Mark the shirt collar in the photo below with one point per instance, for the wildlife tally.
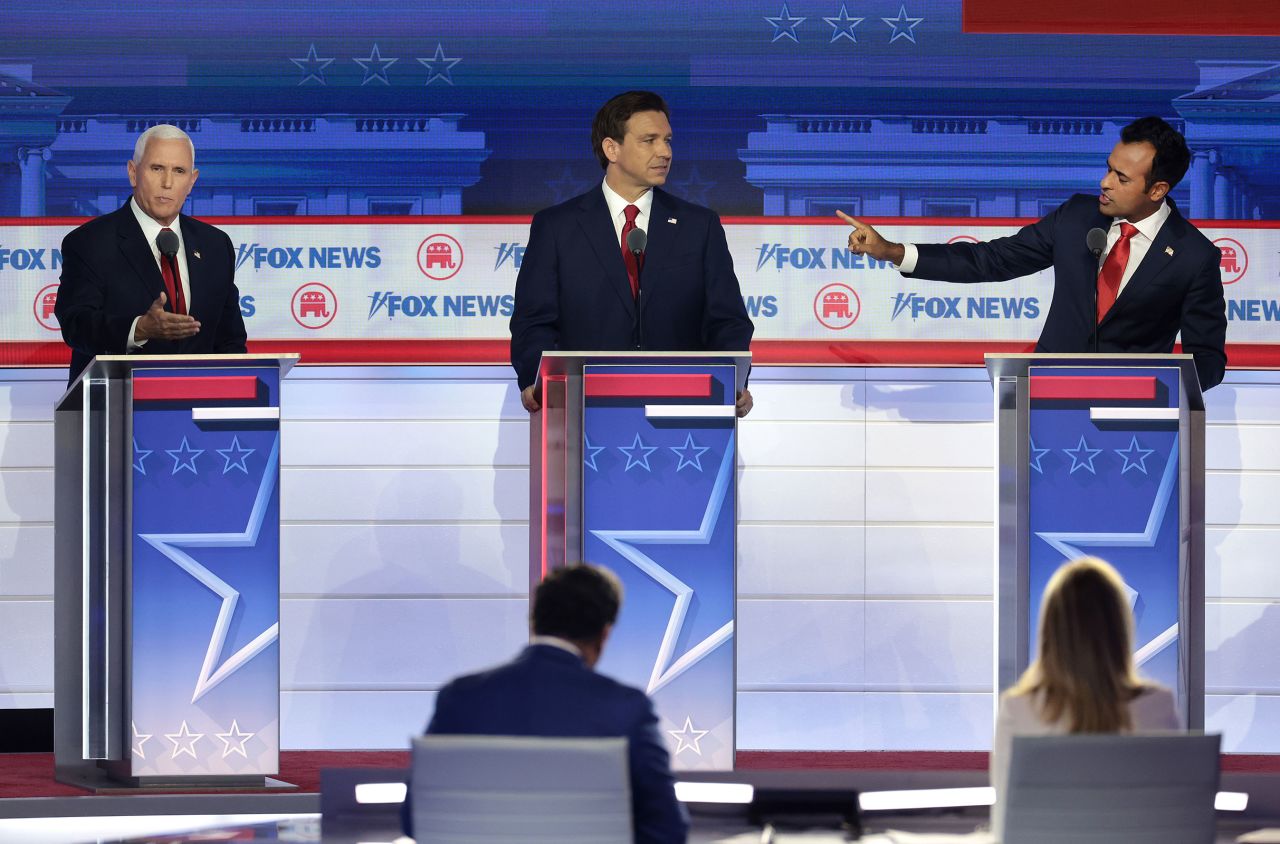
(617, 204)
(556, 641)
(151, 227)
(1149, 227)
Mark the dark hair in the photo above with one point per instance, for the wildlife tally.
(576, 603)
(1172, 156)
(611, 119)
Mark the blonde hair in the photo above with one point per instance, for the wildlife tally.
(1084, 670)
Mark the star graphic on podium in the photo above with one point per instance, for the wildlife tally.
(842, 25)
(903, 26)
(184, 457)
(784, 26)
(1036, 454)
(313, 65)
(591, 452)
(233, 741)
(139, 739)
(1130, 461)
(689, 454)
(666, 666)
(687, 738)
(170, 545)
(139, 455)
(634, 459)
(438, 66)
(375, 67)
(184, 741)
(1082, 456)
(235, 456)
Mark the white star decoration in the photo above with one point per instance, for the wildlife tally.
(139, 739)
(184, 741)
(687, 738)
(233, 741)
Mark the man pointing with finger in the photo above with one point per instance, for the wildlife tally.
(146, 279)
(1146, 275)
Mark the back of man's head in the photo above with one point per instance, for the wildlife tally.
(577, 603)
(1172, 156)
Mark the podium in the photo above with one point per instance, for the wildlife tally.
(1103, 455)
(633, 461)
(167, 564)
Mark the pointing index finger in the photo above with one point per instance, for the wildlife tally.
(848, 219)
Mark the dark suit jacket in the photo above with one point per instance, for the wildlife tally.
(572, 292)
(547, 691)
(109, 277)
(1178, 285)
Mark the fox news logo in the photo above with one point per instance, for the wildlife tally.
(779, 257)
(393, 305)
(1253, 310)
(957, 307)
(309, 258)
(30, 259)
(513, 252)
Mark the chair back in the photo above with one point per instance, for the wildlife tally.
(500, 789)
(1112, 789)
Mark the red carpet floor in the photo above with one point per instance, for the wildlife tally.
(31, 774)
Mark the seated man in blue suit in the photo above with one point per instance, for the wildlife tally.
(581, 288)
(550, 689)
(1144, 276)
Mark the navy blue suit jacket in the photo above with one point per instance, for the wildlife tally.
(1177, 287)
(547, 691)
(572, 292)
(109, 277)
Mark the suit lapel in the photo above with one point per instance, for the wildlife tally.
(195, 268)
(135, 248)
(593, 216)
(1158, 257)
(662, 236)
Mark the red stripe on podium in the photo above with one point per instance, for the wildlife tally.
(602, 386)
(196, 388)
(1094, 388)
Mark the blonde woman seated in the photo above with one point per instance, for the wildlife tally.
(1083, 679)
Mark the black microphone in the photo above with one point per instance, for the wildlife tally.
(637, 240)
(1096, 240)
(167, 243)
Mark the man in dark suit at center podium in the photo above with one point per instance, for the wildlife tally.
(551, 689)
(581, 288)
(1129, 271)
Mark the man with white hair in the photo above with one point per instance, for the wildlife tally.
(147, 279)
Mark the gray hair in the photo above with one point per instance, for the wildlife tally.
(161, 132)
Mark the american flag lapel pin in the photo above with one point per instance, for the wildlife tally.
(197, 254)
(1168, 250)
(671, 220)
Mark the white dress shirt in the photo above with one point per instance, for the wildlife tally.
(618, 210)
(1148, 228)
(1152, 710)
(151, 230)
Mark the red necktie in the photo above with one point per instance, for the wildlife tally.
(634, 262)
(173, 282)
(1113, 270)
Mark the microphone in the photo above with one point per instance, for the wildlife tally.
(167, 243)
(1096, 240)
(637, 240)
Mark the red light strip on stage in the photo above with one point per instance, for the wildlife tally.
(197, 388)
(1094, 388)
(602, 386)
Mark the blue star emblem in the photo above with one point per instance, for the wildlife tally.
(235, 456)
(564, 186)
(638, 454)
(667, 666)
(184, 457)
(1082, 456)
(439, 66)
(171, 544)
(1131, 461)
(590, 453)
(842, 25)
(695, 188)
(375, 67)
(689, 454)
(784, 26)
(903, 26)
(313, 65)
(1036, 454)
(139, 455)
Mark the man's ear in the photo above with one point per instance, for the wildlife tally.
(611, 149)
(1158, 191)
